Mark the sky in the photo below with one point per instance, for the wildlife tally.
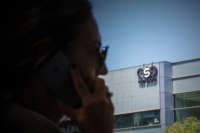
(144, 31)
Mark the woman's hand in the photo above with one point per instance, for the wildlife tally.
(96, 114)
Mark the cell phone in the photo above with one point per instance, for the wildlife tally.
(56, 73)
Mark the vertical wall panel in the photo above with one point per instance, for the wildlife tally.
(166, 95)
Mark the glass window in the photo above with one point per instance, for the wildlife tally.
(187, 99)
(123, 121)
(148, 118)
(187, 104)
(68, 127)
(181, 114)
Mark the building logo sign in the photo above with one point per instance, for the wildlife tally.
(147, 74)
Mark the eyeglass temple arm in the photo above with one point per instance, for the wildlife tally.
(104, 52)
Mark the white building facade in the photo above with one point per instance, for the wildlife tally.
(149, 97)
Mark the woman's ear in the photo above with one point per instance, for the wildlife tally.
(38, 49)
(42, 47)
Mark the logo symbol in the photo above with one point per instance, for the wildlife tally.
(147, 74)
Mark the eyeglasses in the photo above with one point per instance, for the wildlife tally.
(102, 53)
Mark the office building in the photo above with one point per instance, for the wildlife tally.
(150, 96)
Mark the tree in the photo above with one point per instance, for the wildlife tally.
(189, 125)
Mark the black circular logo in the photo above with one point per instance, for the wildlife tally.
(147, 74)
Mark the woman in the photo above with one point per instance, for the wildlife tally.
(40, 33)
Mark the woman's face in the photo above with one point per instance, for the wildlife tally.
(84, 51)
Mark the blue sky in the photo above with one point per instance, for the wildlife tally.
(145, 31)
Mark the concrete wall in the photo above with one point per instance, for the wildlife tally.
(129, 96)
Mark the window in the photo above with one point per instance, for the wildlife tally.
(187, 99)
(187, 104)
(181, 114)
(148, 118)
(68, 127)
(123, 121)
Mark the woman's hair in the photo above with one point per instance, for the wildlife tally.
(34, 20)
(30, 21)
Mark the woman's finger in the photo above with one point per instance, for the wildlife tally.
(100, 87)
(79, 85)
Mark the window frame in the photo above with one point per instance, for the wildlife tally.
(139, 127)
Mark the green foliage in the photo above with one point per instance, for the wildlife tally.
(189, 125)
